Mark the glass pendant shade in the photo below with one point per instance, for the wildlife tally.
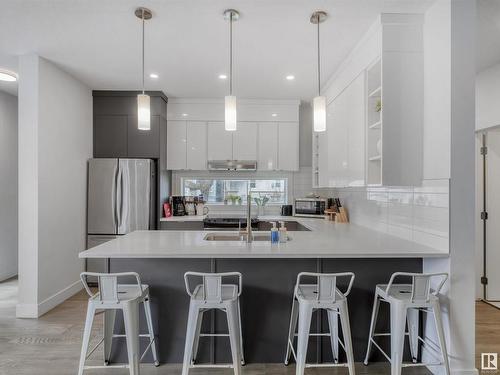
(319, 110)
(143, 112)
(230, 113)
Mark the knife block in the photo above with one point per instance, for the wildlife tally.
(341, 216)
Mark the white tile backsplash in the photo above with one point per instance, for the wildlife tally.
(419, 214)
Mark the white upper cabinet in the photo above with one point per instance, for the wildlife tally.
(268, 146)
(196, 145)
(288, 146)
(320, 168)
(220, 142)
(375, 113)
(176, 145)
(345, 134)
(267, 132)
(245, 141)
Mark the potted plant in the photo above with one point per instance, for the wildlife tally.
(261, 203)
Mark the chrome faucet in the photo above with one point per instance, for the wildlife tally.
(249, 216)
(248, 231)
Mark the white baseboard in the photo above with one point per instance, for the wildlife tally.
(26, 310)
(35, 311)
(8, 276)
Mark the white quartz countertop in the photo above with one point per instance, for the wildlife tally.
(325, 240)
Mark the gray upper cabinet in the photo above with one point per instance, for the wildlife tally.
(110, 136)
(143, 143)
(115, 126)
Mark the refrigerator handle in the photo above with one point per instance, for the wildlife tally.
(119, 197)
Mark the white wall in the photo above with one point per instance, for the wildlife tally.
(8, 186)
(55, 142)
(488, 97)
(458, 302)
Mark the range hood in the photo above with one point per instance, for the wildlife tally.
(232, 165)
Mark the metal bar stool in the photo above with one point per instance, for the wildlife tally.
(111, 297)
(213, 294)
(406, 302)
(309, 298)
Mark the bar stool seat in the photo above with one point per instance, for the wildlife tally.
(406, 301)
(322, 295)
(110, 297)
(228, 293)
(309, 293)
(127, 292)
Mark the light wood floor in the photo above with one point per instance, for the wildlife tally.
(51, 344)
(487, 330)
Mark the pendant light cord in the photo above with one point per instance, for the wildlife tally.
(319, 59)
(143, 51)
(231, 54)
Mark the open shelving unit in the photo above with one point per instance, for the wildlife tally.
(374, 123)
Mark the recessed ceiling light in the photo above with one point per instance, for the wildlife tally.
(153, 75)
(222, 76)
(7, 75)
(290, 77)
(184, 115)
(274, 115)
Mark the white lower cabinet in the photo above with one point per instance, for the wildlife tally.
(176, 145)
(267, 146)
(245, 141)
(196, 149)
(288, 146)
(220, 142)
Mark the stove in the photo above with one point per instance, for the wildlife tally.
(228, 223)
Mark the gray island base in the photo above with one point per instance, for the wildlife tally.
(265, 302)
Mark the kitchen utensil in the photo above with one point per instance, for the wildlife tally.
(201, 209)
(287, 210)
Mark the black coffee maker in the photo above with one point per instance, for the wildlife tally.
(178, 206)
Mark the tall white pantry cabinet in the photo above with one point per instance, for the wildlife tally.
(375, 110)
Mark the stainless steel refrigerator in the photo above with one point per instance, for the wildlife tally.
(120, 200)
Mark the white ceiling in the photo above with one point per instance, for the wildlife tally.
(98, 41)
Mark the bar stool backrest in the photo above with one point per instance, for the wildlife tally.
(421, 284)
(327, 284)
(108, 284)
(211, 284)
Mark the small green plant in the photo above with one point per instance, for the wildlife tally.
(378, 105)
(261, 201)
(233, 198)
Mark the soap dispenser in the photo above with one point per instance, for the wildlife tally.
(283, 235)
(274, 233)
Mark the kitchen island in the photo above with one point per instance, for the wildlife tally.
(269, 274)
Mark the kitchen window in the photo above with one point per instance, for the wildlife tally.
(234, 191)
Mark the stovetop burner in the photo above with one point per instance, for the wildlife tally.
(228, 222)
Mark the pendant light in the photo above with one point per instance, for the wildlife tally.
(319, 102)
(230, 101)
(143, 100)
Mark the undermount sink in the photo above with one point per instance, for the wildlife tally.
(237, 237)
